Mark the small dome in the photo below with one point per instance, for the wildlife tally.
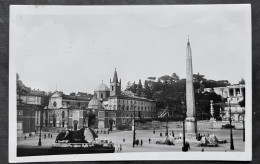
(95, 103)
(102, 87)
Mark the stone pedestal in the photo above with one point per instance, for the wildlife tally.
(193, 143)
(191, 125)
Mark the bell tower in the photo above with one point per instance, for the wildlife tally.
(115, 85)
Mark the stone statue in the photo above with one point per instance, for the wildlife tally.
(84, 135)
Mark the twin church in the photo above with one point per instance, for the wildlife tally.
(114, 109)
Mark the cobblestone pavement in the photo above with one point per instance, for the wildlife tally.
(117, 138)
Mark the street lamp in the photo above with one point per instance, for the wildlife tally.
(167, 109)
(133, 126)
(244, 124)
(41, 119)
(184, 148)
(231, 134)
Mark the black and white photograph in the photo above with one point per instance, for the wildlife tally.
(130, 82)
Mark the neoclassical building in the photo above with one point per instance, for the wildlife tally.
(114, 109)
(233, 94)
(118, 107)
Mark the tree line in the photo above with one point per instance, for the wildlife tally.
(170, 92)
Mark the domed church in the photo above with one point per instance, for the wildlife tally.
(117, 108)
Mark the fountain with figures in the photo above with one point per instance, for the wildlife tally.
(84, 140)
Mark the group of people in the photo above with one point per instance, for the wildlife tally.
(199, 136)
(102, 131)
(137, 142)
(49, 135)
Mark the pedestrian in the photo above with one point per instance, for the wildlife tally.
(137, 142)
(107, 132)
(51, 135)
(120, 147)
(149, 140)
(44, 136)
(141, 142)
(202, 149)
(101, 131)
(187, 144)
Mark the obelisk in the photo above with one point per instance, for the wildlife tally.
(191, 122)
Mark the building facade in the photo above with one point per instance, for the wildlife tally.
(65, 112)
(120, 107)
(233, 95)
(29, 106)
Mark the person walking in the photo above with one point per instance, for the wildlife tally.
(149, 140)
(120, 147)
(141, 142)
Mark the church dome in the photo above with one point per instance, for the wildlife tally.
(95, 103)
(102, 87)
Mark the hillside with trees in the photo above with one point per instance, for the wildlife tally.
(169, 91)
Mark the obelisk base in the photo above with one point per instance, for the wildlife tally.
(193, 143)
(191, 125)
(190, 134)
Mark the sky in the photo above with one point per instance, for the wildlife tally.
(74, 48)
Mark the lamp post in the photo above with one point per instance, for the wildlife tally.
(244, 125)
(167, 109)
(41, 119)
(133, 126)
(230, 122)
(184, 149)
